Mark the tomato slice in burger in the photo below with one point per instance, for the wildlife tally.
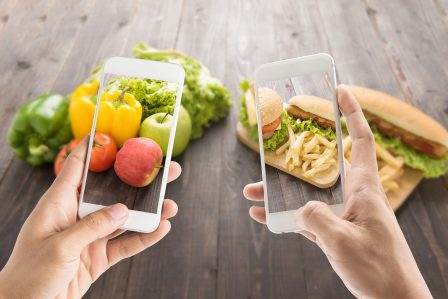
(271, 126)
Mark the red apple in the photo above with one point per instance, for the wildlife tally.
(138, 161)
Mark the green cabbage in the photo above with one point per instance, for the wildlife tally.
(204, 97)
(431, 167)
(154, 95)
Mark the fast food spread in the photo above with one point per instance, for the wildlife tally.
(299, 137)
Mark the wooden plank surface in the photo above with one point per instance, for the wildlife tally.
(214, 249)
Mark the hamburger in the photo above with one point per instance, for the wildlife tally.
(405, 131)
(274, 119)
(271, 111)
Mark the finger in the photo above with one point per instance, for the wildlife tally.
(169, 209)
(94, 226)
(71, 173)
(363, 143)
(347, 166)
(174, 171)
(132, 244)
(254, 191)
(258, 214)
(317, 218)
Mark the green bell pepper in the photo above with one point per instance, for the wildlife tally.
(39, 128)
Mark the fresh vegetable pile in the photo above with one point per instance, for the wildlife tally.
(204, 97)
(129, 107)
(134, 148)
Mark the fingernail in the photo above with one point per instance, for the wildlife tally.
(117, 211)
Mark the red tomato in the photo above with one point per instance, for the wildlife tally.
(104, 151)
(271, 126)
(63, 154)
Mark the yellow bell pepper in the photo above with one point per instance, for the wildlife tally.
(119, 115)
(82, 108)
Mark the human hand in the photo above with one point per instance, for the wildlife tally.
(56, 255)
(366, 246)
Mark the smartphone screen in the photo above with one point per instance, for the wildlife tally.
(298, 117)
(139, 174)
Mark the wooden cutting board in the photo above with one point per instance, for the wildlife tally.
(408, 181)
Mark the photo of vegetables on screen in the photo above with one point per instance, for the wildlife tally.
(132, 132)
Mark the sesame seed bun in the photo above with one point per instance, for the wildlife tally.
(271, 105)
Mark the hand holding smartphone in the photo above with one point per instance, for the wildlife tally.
(299, 136)
(139, 176)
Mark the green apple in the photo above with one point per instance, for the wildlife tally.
(158, 126)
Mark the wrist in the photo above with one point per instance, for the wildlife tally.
(6, 287)
(414, 287)
(3, 284)
(418, 292)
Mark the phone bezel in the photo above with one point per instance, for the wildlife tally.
(139, 221)
(283, 222)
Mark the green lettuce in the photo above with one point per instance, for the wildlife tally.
(312, 126)
(204, 97)
(281, 135)
(244, 120)
(154, 95)
(431, 167)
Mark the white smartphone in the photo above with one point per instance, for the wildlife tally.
(102, 189)
(300, 137)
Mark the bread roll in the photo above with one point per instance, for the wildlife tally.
(271, 105)
(315, 105)
(400, 114)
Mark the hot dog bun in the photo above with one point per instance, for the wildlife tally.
(315, 105)
(400, 114)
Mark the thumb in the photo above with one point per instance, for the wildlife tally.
(71, 173)
(95, 226)
(317, 218)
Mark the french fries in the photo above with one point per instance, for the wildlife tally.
(390, 168)
(388, 158)
(310, 152)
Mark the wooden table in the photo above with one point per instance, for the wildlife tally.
(214, 249)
